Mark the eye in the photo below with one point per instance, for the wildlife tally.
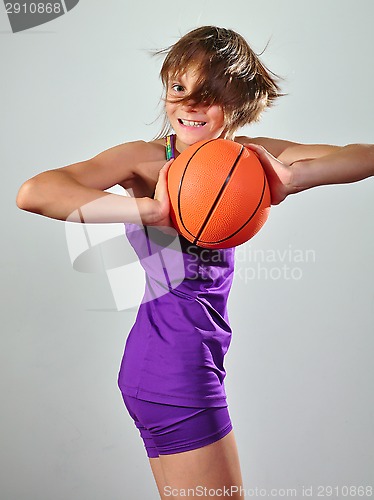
(177, 87)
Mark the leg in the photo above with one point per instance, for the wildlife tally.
(158, 474)
(189, 448)
(214, 466)
(152, 453)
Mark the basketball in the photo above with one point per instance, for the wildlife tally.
(219, 194)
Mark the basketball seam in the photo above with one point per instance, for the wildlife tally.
(218, 197)
(180, 186)
(246, 222)
(196, 238)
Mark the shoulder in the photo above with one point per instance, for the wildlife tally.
(287, 151)
(147, 160)
(157, 148)
(275, 146)
(145, 156)
(146, 151)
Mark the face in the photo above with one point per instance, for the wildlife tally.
(192, 122)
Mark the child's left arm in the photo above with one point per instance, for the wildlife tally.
(350, 163)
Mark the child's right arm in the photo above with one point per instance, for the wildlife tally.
(76, 192)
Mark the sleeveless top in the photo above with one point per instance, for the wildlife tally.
(174, 353)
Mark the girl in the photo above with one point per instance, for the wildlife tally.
(172, 373)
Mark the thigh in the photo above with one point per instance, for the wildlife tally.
(167, 429)
(214, 468)
(158, 475)
(196, 447)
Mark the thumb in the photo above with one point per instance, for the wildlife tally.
(167, 165)
(161, 186)
(260, 151)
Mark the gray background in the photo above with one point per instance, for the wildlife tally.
(300, 370)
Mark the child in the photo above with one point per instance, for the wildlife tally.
(172, 372)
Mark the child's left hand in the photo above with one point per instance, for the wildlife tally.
(278, 174)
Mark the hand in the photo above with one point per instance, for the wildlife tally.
(161, 196)
(278, 174)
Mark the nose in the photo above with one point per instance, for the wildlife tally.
(190, 106)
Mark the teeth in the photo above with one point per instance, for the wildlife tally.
(192, 124)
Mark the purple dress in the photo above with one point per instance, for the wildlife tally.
(174, 353)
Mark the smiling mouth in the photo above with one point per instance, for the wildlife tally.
(188, 123)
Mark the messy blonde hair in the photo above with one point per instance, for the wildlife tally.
(229, 73)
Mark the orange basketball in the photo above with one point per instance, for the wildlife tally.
(219, 194)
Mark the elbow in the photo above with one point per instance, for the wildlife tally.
(26, 199)
(23, 196)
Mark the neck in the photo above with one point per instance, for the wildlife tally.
(181, 146)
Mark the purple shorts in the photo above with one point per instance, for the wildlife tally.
(167, 429)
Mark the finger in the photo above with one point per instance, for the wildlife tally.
(164, 169)
(259, 150)
(255, 147)
(161, 191)
(168, 163)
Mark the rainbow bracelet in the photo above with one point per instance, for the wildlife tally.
(170, 147)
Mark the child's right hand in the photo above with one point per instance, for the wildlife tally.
(162, 210)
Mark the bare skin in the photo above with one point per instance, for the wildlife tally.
(141, 169)
(214, 467)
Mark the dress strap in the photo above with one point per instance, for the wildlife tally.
(170, 146)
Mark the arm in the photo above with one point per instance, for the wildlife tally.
(299, 167)
(76, 192)
(287, 151)
(351, 163)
